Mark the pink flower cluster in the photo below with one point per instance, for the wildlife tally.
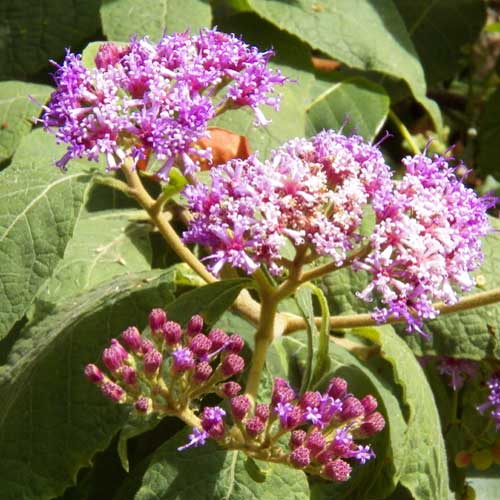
(426, 241)
(322, 426)
(160, 373)
(311, 192)
(144, 97)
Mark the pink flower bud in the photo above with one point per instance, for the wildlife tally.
(337, 388)
(372, 424)
(200, 345)
(152, 362)
(369, 404)
(232, 365)
(157, 318)
(113, 391)
(212, 421)
(239, 407)
(93, 374)
(282, 392)
(218, 339)
(315, 442)
(129, 375)
(310, 399)
(300, 457)
(144, 405)
(337, 470)
(203, 371)
(108, 55)
(262, 411)
(195, 325)
(298, 438)
(254, 426)
(352, 408)
(146, 346)
(114, 356)
(132, 338)
(183, 360)
(172, 332)
(235, 344)
(230, 389)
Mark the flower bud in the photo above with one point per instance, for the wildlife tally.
(195, 325)
(300, 457)
(369, 404)
(157, 318)
(93, 374)
(152, 362)
(337, 470)
(239, 407)
(146, 346)
(132, 338)
(108, 55)
(218, 339)
(212, 421)
(352, 408)
(337, 387)
(371, 425)
(144, 405)
(298, 438)
(183, 360)
(200, 345)
(262, 411)
(254, 426)
(282, 392)
(310, 399)
(129, 375)
(230, 389)
(114, 356)
(235, 344)
(172, 332)
(203, 371)
(113, 391)
(315, 442)
(232, 365)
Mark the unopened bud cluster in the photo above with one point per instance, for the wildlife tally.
(322, 428)
(164, 372)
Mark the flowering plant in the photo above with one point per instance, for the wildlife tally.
(236, 304)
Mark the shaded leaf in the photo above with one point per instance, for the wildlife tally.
(123, 18)
(52, 420)
(489, 145)
(39, 207)
(17, 112)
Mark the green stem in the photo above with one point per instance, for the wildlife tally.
(404, 132)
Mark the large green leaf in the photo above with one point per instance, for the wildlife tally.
(123, 18)
(470, 334)
(425, 472)
(32, 32)
(363, 103)
(105, 244)
(364, 34)
(52, 420)
(293, 59)
(489, 145)
(440, 30)
(17, 112)
(39, 207)
(212, 473)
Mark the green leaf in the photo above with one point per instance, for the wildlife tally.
(210, 300)
(52, 420)
(293, 59)
(17, 112)
(39, 207)
(475, 333)
(123, 18)
(363, 103)
(210, 472)
(366, 35)
(105, 244)
(440, 30)
(425, 472)
(31, 32)
(489, 145)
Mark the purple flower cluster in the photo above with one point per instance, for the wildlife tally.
(145, 97)
(322, 426)
(425, 242)
(493, 402)
(310, 192)
(458, 370)
(173, 366)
